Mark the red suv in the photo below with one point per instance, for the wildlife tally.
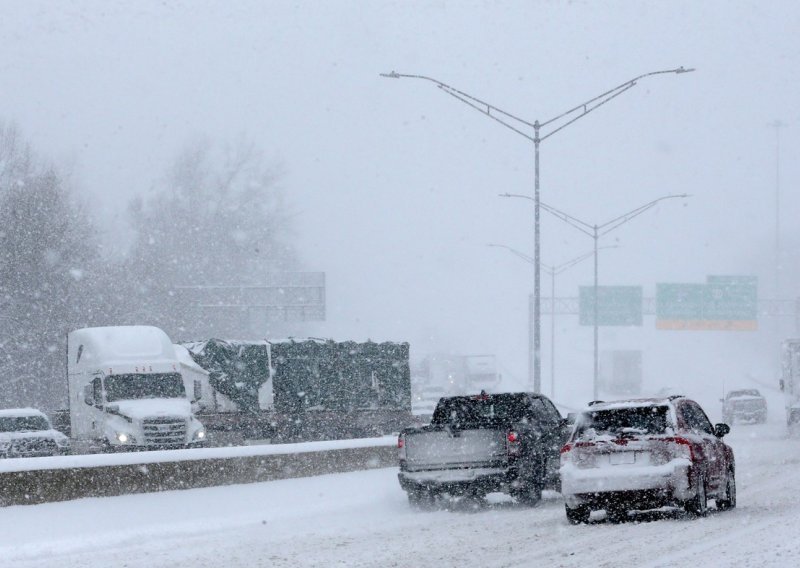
(644, 454)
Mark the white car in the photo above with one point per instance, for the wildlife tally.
(27, 432)
(644, 454)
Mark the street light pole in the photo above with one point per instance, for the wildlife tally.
(554, 270)
(519, 126)
(595, 232)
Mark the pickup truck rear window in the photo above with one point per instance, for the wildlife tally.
(481, 411)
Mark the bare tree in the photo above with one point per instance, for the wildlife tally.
(217, 219)
(47, 259)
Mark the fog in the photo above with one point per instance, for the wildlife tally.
(393, 185)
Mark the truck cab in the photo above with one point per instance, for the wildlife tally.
(126, 391)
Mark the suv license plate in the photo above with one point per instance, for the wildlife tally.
(621, 458)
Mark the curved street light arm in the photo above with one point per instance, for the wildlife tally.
(570, 263)
(622, 219)
(515, 252)
(569, 219)
(602, 99)
(481, 106)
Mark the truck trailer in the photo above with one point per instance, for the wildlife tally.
(305, 389)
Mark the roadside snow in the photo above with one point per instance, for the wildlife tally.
(362, 519)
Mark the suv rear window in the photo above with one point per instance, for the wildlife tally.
(480, 411)
(616, 421)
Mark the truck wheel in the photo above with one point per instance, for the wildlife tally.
(698, 505)
(578, 515)
(617, 514)
(422, 499)
(530, 493)
(729, 501)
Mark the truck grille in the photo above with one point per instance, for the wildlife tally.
(164, 431)
(30, 447)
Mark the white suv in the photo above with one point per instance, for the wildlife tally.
(644, 454)
(27, 432)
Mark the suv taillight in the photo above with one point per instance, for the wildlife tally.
(581, 454)
(401, 446)
(513, 444)
(674, 447)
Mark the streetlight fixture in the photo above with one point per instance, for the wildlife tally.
(596, 231)
(520, 126)
(553, 270)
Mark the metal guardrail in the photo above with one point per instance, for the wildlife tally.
(33, 486)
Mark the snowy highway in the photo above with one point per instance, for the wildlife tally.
(363, 519)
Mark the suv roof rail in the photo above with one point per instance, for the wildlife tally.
(592, 403)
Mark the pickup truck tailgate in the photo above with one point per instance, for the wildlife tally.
(446, 449)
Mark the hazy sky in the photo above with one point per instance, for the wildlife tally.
(394, 184)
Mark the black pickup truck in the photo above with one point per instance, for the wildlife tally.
(482, 444)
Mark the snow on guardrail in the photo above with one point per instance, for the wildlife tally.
(40, 480)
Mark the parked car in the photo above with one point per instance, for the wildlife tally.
(746, 405)
(27, 432)
(482, 444)
(644, 454)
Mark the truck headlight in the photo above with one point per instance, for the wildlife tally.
(125, 438)
(200, 435)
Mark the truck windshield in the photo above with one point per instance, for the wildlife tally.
(23, 424)
(480, 411)
(155, 385)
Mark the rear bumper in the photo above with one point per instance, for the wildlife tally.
(459, 481)
(653, 486)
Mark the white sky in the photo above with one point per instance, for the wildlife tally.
(395, 184)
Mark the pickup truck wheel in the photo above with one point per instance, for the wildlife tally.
(530, 493)
(579, 515)
(422, 499)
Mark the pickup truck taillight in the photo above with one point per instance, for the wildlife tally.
(401, 446)
(513, 444)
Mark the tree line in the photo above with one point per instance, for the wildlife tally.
(216, 217)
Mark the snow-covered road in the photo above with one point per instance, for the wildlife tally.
(363, 519)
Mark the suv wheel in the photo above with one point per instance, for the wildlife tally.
(579, 515)
(729, 501)
(698, 505)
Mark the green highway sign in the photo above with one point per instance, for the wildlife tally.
(722, 303)
(616, 305)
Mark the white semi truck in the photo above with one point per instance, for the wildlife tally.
(126, 391)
